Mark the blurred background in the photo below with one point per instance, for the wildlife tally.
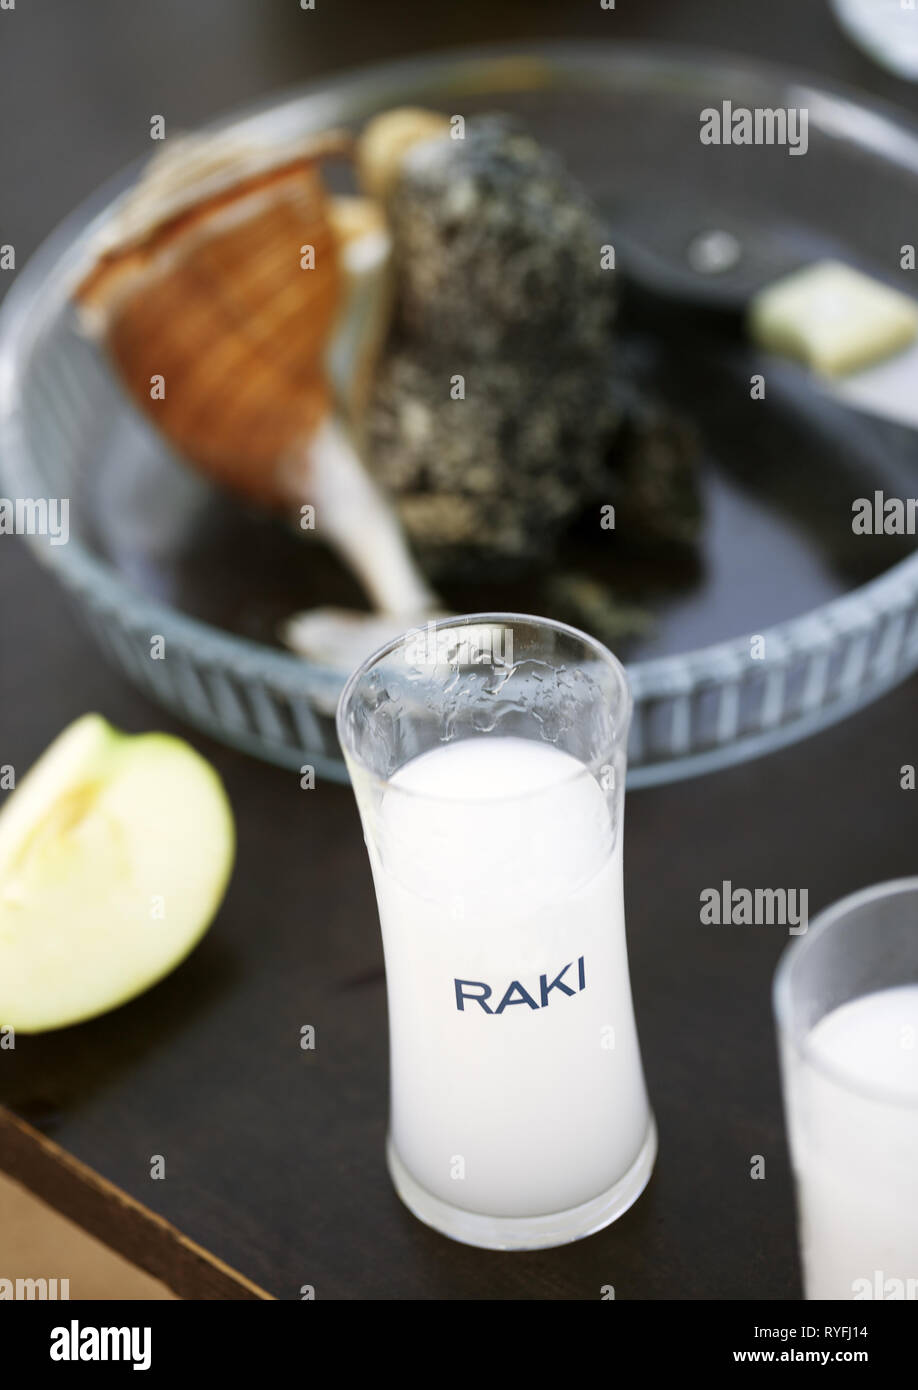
(79, 82)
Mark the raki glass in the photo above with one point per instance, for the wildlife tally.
(488, 754)
(846, 1003)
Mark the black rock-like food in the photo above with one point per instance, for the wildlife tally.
(493, 476)
(651, 472)
(504, 406)
(499, 283)
(496, 246)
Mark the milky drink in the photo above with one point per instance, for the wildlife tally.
(517, 1087)
(854, 1130)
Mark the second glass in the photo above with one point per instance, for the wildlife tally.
(846, 1003)
(488, 756)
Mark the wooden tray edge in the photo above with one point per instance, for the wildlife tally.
(115, 1218)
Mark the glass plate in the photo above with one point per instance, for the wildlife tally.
(156, 551)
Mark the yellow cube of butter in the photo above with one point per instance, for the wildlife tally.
(833, 317)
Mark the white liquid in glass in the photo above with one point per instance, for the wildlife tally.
(856, 1151)
(516, 1080)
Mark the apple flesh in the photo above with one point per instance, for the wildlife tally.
(115, 853)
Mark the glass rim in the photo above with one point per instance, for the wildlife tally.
(609, 660)
(781, 992)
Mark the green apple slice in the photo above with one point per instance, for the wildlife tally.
(115, 853)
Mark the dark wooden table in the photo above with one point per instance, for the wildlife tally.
(274, 1156)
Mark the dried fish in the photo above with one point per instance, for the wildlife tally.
(243, 309)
